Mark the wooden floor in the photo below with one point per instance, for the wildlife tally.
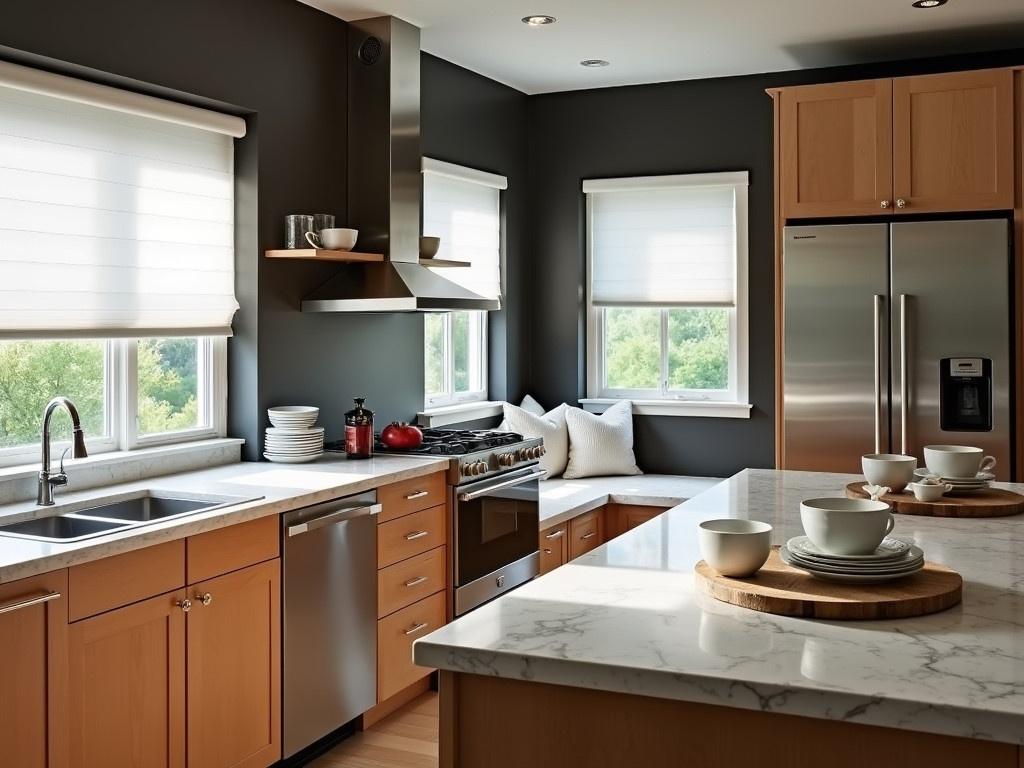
(406, 739)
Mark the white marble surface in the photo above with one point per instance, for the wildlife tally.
(626, 618)
(562, 500)
(282, 487)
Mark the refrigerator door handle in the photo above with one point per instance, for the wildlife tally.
(904, 369)
(878, 372)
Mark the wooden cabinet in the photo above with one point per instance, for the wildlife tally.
(410, 535)
(406, 582)
(33, 644)
(586, 532)
(234, 669)
(553, 547)
(395, 636)
(402, 498)
(127, 686)
(953, 142)
(620, 518)
(836, 149)
(935, 143)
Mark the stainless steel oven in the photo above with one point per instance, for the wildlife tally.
(495, 531)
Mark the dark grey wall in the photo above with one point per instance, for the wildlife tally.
(684, 127)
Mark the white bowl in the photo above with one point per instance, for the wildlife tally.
(735, 547)
(293, 416)
(893, 470)
(846, 526)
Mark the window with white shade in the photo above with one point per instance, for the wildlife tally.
(461, 206)
(667, 287)
(116, 262)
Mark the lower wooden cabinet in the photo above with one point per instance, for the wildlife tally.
(33, 644)
(586, 532)
(553, 547)
(564, 542)
(395, 636)
(620, 518)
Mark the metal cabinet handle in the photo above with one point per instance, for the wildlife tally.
(538, 475)
(590, 535)
(416, 535)
(901, 203)
(27, 602)
(904, 384)
(416, 628)
(414, 582)
(878, 373)
(206, 598)
(885, 204)
(555, 535)
(547, 551)
(417, 495)
(185, 605)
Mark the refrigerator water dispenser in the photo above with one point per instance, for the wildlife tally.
(965, 390)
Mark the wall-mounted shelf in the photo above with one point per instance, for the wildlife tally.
(317, 254)
(445, 263)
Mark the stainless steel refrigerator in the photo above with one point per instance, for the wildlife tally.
(896, 336)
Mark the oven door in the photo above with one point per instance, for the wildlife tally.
(497, 523)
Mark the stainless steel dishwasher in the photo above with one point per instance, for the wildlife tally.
(330, 617)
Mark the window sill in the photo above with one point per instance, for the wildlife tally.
(702, 408)
(459, 413)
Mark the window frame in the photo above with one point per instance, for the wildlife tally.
(738, 389)
(120, 384)
(449, 396)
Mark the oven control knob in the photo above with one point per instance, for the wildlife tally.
(522, 454)
(481, 467)
(467, 469)
(542, 449)
(536, 452)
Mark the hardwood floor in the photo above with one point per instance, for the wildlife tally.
(405, 739)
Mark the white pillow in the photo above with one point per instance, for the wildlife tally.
(601, 445)
(530, 406)
(550, 426)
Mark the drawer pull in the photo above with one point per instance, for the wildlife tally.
(417, 628)
(414, 582)
(27, 602)
(547, 551)
(555, 535)
(590, 535)
(417, 495)
(205, 598)
(416, 535)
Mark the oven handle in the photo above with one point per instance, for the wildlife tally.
(538, 475)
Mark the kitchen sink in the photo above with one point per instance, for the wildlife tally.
(116, 514)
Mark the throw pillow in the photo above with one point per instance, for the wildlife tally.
(530, 406)
(601, 445)
(550, 426)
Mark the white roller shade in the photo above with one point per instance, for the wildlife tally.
(462, 206)
(112, 223)
(666, 241)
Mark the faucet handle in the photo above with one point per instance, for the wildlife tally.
(61, 472)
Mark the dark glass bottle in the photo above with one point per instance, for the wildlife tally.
(359, 431)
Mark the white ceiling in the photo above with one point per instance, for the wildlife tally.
(650, 41)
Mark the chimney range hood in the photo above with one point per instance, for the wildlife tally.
(384, 182)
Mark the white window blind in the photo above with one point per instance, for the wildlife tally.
(462, 206)
(115, 220)
(670, 241)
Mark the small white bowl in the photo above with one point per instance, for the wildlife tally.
(429, 246)
(735, 547)
(846, 526)
(893, 470)
(293, 416)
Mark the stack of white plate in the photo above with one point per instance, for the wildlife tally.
(894, 559)
(979, 482)
(293, 439)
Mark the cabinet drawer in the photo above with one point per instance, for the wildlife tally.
(408, 496)
(585, 533)
(111, 582)
(395, 636)
(406, 582)
(410, 535)
(552, 547)
(237, 546)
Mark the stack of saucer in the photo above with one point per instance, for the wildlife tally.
(893, 559)
(293, 439)
(979, 482)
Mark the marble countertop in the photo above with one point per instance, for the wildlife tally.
(626, 618)
(562, 500)
(275, 488)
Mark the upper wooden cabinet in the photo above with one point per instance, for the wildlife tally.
(836, 149)
(953, 141)
(936, 143)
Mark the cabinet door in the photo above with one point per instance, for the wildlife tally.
(127, 686)
(234, 669)
(836, 149)
(953, 141)
(395, 636)
(552, 547)
(586, 532)
(33, 637)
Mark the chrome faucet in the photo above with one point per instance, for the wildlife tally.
(47, 482)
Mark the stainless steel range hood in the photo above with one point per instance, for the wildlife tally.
(384, 182)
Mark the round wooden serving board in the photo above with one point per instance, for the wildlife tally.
(777, 588)
(991, 502)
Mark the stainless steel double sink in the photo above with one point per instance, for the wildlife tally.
(115, 514)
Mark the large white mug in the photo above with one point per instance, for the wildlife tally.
(846, 526)
(958, 461)
(893, 470)
(334, 239)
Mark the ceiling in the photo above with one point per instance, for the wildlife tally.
(650, 41)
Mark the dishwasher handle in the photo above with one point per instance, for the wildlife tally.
(338, 516)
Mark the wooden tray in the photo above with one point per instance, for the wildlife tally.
(992, 502)
(777, 588)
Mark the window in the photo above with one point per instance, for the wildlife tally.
(116, 263)
(667, 288)
(462, 206)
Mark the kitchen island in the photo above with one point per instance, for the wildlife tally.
(615, 659)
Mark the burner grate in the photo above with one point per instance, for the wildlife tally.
(446, 442)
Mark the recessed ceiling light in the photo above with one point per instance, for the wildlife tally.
(928, 3)
(594, 63)
(539, 20)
